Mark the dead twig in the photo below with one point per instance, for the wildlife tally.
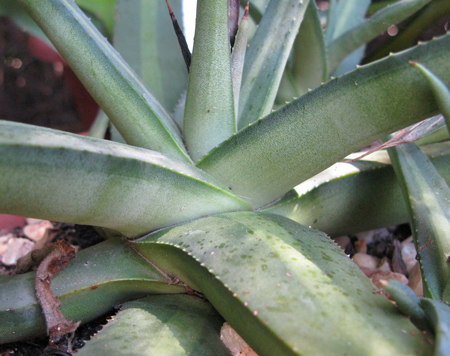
(57, 326)
(181, 39)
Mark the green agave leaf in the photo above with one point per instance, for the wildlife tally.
(144, 36)
(257, 8)
(286, 289)
(238, 57)
(407, 302)
(441, 92)
(266, 58)
(329, 201)
(369, 29)
(100, 125)
(428, 201)
(97, 279)
(209, 115)
(408, 36)
(63, 177)
(138, 116)
(322, 127)
(344, 15)
(309, 57)
(438, 315)
(160, 325)
(105, 10)
(331, 19)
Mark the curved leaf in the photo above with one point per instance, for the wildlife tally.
(209, 117)
(266, 58)
(144, 36)
(70, 178)
(97, 279)
(407, 302)
(238, 57)
(160, 325)
(309, 66)
(286, 289)
(408, 36)
(441, 92)
(329, 201)
(138, 116)
(345, 15)
(438, 315)
(369, 29)
(428, 200)
(323, 126)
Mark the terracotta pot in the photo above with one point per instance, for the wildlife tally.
(9, 222)
(87, 107)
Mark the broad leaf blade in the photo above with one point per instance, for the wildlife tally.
(330, 203)
(144, 36)
(70, 178)
(160, 325)
(441, 92)
(428, 201)
(209, 117)
(369, 29)
(238, 57)
(438, 315)
(138, 116)
(266, 58)
(91, 285)
(408, 37)
(309, 66)
(286, 289)
(346, 14)
(322, 127)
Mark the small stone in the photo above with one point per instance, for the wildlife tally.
(37, 230)
(4, 242)
(409, 254)
(16, 248)
(361, 246)
(384, 266)
(366, 262)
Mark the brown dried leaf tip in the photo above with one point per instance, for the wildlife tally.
(57, 259)
(181, 39)
(234, 8)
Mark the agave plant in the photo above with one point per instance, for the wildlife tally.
(199, 203)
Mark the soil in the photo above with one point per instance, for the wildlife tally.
(76, 235)
(32, 90)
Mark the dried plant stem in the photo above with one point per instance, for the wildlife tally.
(56, 260)
(181, 39)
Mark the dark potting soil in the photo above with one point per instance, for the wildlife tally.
(33, 91)
(75, 235)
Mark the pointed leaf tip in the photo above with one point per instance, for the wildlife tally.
(180, 36)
